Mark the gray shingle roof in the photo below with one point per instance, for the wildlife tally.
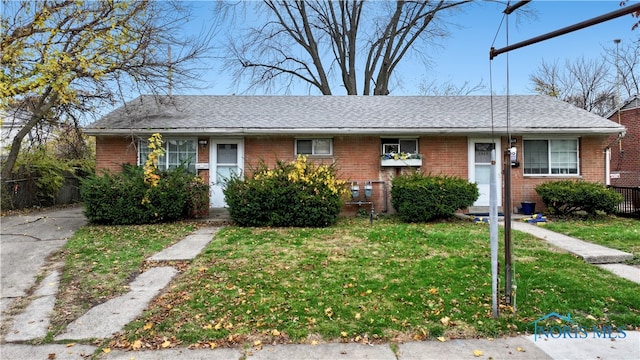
(205, 114)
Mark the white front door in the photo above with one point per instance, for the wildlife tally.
(227, 160)
(480, 168)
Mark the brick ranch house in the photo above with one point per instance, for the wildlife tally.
(625, 154)
(452, 135)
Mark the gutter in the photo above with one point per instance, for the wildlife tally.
(355, 131)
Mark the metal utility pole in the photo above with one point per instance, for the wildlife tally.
(493, 230)
(493, 52)
(565, 30)
(507, 222)
(619, 102)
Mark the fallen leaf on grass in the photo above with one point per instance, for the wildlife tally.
(445, 321)
(166, 344)
(441, 339)
(136, 345)
(275, 333)
(106, 350)
(147, 326)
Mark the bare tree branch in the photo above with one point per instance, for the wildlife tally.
(335, 36)
(583, 83)
(60, 58)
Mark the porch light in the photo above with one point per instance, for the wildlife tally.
(202, 143)
(355, 190)
(368, 189)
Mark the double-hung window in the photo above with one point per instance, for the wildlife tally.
(321, 147)
(551, 157)
(176, 152)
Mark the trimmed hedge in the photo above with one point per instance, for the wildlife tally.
(297, 194)
(121, 199)
(421, 198)
(565, 197)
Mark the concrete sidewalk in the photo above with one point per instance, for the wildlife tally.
(521, 347)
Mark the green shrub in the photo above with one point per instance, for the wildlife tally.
(125, 198)
(565, 197)
(421, 198)
(48, 171)
(296, 193)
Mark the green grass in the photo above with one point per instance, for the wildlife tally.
(614, 232)
(386, 282)
(100, 261)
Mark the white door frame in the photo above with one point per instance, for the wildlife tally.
(484, 200)
(216, 195)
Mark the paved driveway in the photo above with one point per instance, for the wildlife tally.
(25, 243)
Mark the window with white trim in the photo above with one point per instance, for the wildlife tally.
(176, 152)
(551, 157)
(314, 146)
(397, 146)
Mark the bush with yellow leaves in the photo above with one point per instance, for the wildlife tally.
(297, 193)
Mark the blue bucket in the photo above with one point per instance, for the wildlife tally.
(528, 207)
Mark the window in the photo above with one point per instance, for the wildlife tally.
(551, 157)
(407, 146)
(314, 147)
(177, 152)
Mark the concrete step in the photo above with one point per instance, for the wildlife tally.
(481, 210)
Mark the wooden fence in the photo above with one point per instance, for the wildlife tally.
(22, 193)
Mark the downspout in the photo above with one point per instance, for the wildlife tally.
(607, 158)
(607, 166)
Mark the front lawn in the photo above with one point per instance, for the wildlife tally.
(386, 282)
(614, 232)
(101, 261)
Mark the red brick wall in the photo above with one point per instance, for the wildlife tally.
(592, 165)
(625, 156)
(358, 159)
(112, 152)
(445, 155)
(203, 157)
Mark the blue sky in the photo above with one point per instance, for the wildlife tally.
(464, 56)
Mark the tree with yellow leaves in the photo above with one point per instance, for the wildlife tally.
(67, 58)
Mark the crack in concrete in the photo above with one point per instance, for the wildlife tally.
(26, 235)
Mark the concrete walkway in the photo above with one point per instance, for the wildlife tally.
(604, 257)
(589, 252)
(110, 317)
